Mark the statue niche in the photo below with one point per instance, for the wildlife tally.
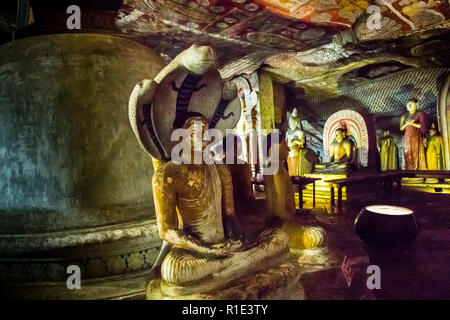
(347, 144)
(203, 249)
(342, 154)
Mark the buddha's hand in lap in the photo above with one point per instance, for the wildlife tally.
(226, 248)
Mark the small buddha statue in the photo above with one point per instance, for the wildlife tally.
(388, 152)
(293, 136)
(341, 154)
(434, 150)
(301, 160)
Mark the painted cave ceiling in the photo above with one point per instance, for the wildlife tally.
(312, 46)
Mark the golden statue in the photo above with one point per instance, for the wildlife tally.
(301, 160)
(200, 198)
(203, 248)
(435, 150)
(341, 154)
(388, 152)
(415, 125)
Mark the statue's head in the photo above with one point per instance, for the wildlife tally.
(196, 124)
(198, 59)
(229, 90)
(294, 121)
(385, 132)
(411, 106)
(433, 130)
(340, 135)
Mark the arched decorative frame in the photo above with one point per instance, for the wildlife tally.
(356, 127)
(444, 116)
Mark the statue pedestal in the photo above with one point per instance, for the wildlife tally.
(412, 180)
(280, 282)
(429, 185)
(338, 169)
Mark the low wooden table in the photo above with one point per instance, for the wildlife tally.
(301, 182)
(387, 177)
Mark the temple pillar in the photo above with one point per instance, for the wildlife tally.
(444, 118)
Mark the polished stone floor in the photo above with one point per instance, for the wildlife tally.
(418, 271)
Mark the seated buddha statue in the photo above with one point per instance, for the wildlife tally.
(195, 215)
(341, 154)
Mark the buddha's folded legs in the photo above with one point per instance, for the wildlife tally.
(186, 273)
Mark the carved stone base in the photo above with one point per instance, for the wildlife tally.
(114, 262)
(278, 282)
(412, 180)
(335, 169)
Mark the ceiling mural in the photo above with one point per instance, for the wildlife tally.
(310, 43)
(330, 12)
(403, 17)
(246, 20)
(315, 46)
(400, 16)
(296, 24)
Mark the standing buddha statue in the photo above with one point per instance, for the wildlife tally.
(435, 150)
(388, 152)
(415, 125)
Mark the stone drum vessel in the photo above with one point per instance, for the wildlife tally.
(74, 185)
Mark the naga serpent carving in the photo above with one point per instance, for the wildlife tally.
(202, 248)
(188, 87)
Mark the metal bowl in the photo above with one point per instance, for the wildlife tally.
(384, 226)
